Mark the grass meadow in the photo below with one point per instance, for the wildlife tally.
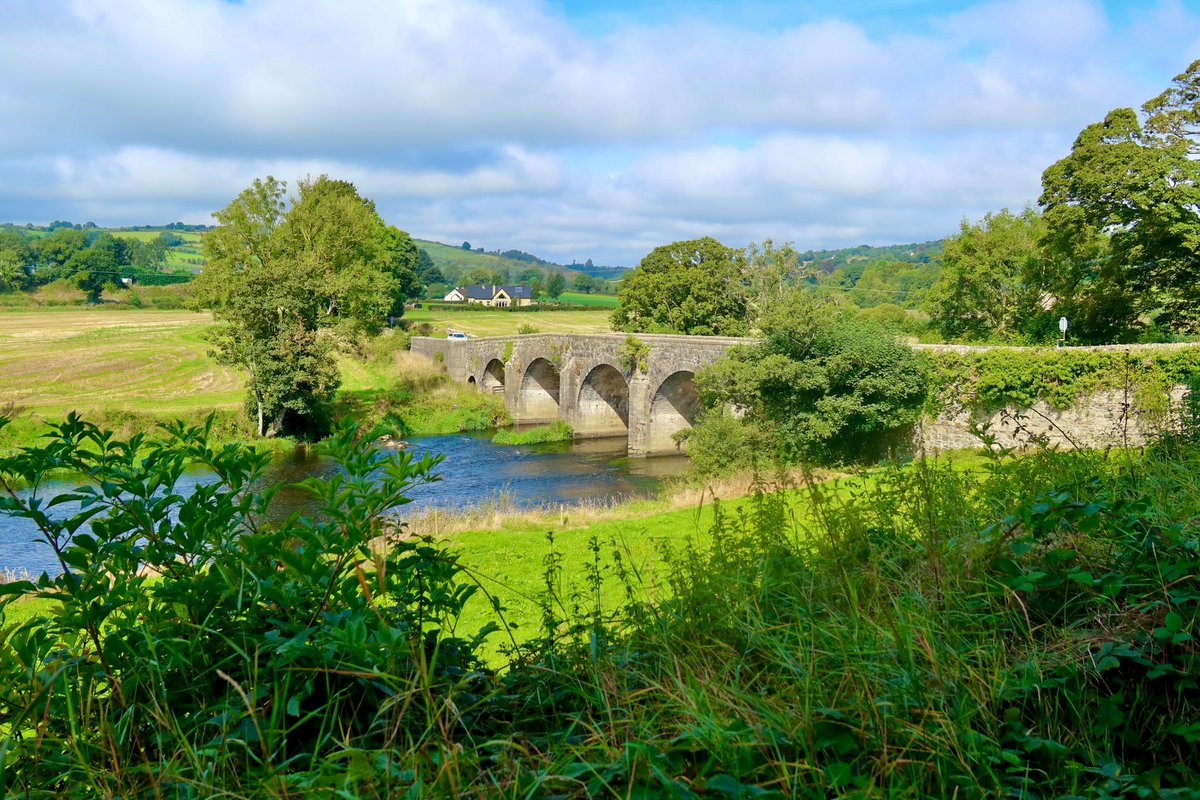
(127, 368)
(509, 323)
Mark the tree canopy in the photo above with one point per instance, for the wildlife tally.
(286, 277)
(692, 287)
(556, 284)
(1124, 205)
(994, 280)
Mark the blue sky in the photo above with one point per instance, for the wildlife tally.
(572, 129)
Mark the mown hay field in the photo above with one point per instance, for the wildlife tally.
(135, 360)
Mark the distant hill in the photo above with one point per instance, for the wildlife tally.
(461, 259)
(604, 273)
(915, 253)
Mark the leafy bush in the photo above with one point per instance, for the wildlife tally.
(824, 384)
(190, 647)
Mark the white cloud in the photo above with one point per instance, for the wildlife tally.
(501, 123)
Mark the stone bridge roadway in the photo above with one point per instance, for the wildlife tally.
(583, 380)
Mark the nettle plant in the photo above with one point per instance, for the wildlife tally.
(188, 641)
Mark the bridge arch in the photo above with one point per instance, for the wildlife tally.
(673, 407)
(603, 405)
(538, 397)
(493, 377)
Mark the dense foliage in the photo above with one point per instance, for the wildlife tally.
(823, 384)
(1006, 377)
(1136, 184)
(994, 281)
(91, 259)
(282, 276)
(191, 642)
(695, 287)
(1022, 628)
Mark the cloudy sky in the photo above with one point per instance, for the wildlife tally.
(568, 128)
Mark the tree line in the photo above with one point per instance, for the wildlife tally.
(89, 258)
(544, 282)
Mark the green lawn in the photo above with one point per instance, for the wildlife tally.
(596, 300)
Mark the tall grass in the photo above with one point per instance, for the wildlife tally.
(557, 431)
(1025, 630)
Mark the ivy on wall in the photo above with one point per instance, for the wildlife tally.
(993, 379)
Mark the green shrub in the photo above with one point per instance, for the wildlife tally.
(823, 383)
(191, 647)
(634, 355)
(720, 444)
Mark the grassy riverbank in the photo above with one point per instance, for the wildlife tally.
(557, 431)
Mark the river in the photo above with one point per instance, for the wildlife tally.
(475, 471)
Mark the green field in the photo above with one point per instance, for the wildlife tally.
(596, 300)
(127, 369)
(507, 323)
(94, 359)
(191, 238)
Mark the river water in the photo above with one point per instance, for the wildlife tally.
(475, 471)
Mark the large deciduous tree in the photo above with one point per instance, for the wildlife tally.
(995, 280)
(1137, 185)
(286, 277)
(556, 284)
(92, 270)
(693, 287)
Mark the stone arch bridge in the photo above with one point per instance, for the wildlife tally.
(588, 380)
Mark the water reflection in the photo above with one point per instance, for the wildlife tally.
(474, 471)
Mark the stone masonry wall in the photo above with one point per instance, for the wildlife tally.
(1104, 419)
